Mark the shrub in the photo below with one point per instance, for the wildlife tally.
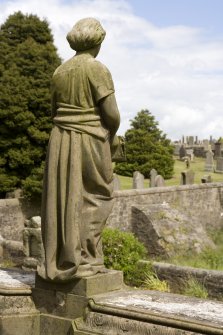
(122, 251)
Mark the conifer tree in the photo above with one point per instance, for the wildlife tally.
(147, 148)
(28, 59)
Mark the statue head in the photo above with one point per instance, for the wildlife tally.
(86, 34)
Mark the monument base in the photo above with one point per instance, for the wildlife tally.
(56, 311)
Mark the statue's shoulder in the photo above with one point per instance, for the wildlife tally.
(96, 66)
(63, 67)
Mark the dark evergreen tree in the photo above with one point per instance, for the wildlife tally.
(146, 148)
(28, 59)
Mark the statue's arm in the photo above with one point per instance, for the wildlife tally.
(110, 114)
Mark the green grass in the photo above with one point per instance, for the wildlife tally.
(197, 166)
(195, 289)
(211, 259)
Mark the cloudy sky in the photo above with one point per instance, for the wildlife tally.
(164, 55)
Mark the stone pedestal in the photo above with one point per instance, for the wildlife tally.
(61, 303)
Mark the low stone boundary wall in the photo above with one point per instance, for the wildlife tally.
(13, 213)
(202, 202)
(176, 276)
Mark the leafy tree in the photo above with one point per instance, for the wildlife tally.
(28, 59)
(146, 148)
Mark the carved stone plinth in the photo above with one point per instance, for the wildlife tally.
(86, 287)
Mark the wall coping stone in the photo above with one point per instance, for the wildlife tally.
(165, 189)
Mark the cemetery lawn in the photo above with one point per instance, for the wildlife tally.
(197, 166)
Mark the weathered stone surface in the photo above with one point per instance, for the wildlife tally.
(16, 282)
(116, 182)
(166, 232)
(163, 304)
(138, 180)
(20, 324)
(87, 286)
(52, 325)
(159, 181)
(219, 165)
(152, 174)
(203, 203)
(209, 162)
(187, 177)
(59, 303)
(206, 179)
(177, 276)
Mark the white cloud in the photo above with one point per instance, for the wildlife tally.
(175, 72)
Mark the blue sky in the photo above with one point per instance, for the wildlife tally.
(197, 13)
(164, 55)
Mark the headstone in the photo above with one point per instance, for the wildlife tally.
(159, 181)
(116, 182)
(219, 165)
(190, 154)
(206, 179)
(182, 152)
(206, 145)
(177, 149)
(32, 243)
(187, 177)
(196, 140)
(209, 162)
(153, 174)
(138, 180)
(217, 149)
(191, 140)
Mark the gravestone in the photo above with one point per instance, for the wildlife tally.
(209, 162)
(190, 154)
(32, 243)
(153, 174)
(219, 165)
(206, 145)
(177, 149)
(159, 181)
(116, 182)
(187, 177)
(138, 180)
(191, 140)
(182, 152)
(206, 179)
(217, 149)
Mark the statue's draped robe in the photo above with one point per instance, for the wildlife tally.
(78, 175)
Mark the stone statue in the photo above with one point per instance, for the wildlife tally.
(78, 180)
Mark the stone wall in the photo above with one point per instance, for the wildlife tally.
(13, 213)
(203, 202)
(177, 277)
(200, 202)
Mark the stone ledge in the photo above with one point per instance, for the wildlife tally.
(16, 282)
(88, 286)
